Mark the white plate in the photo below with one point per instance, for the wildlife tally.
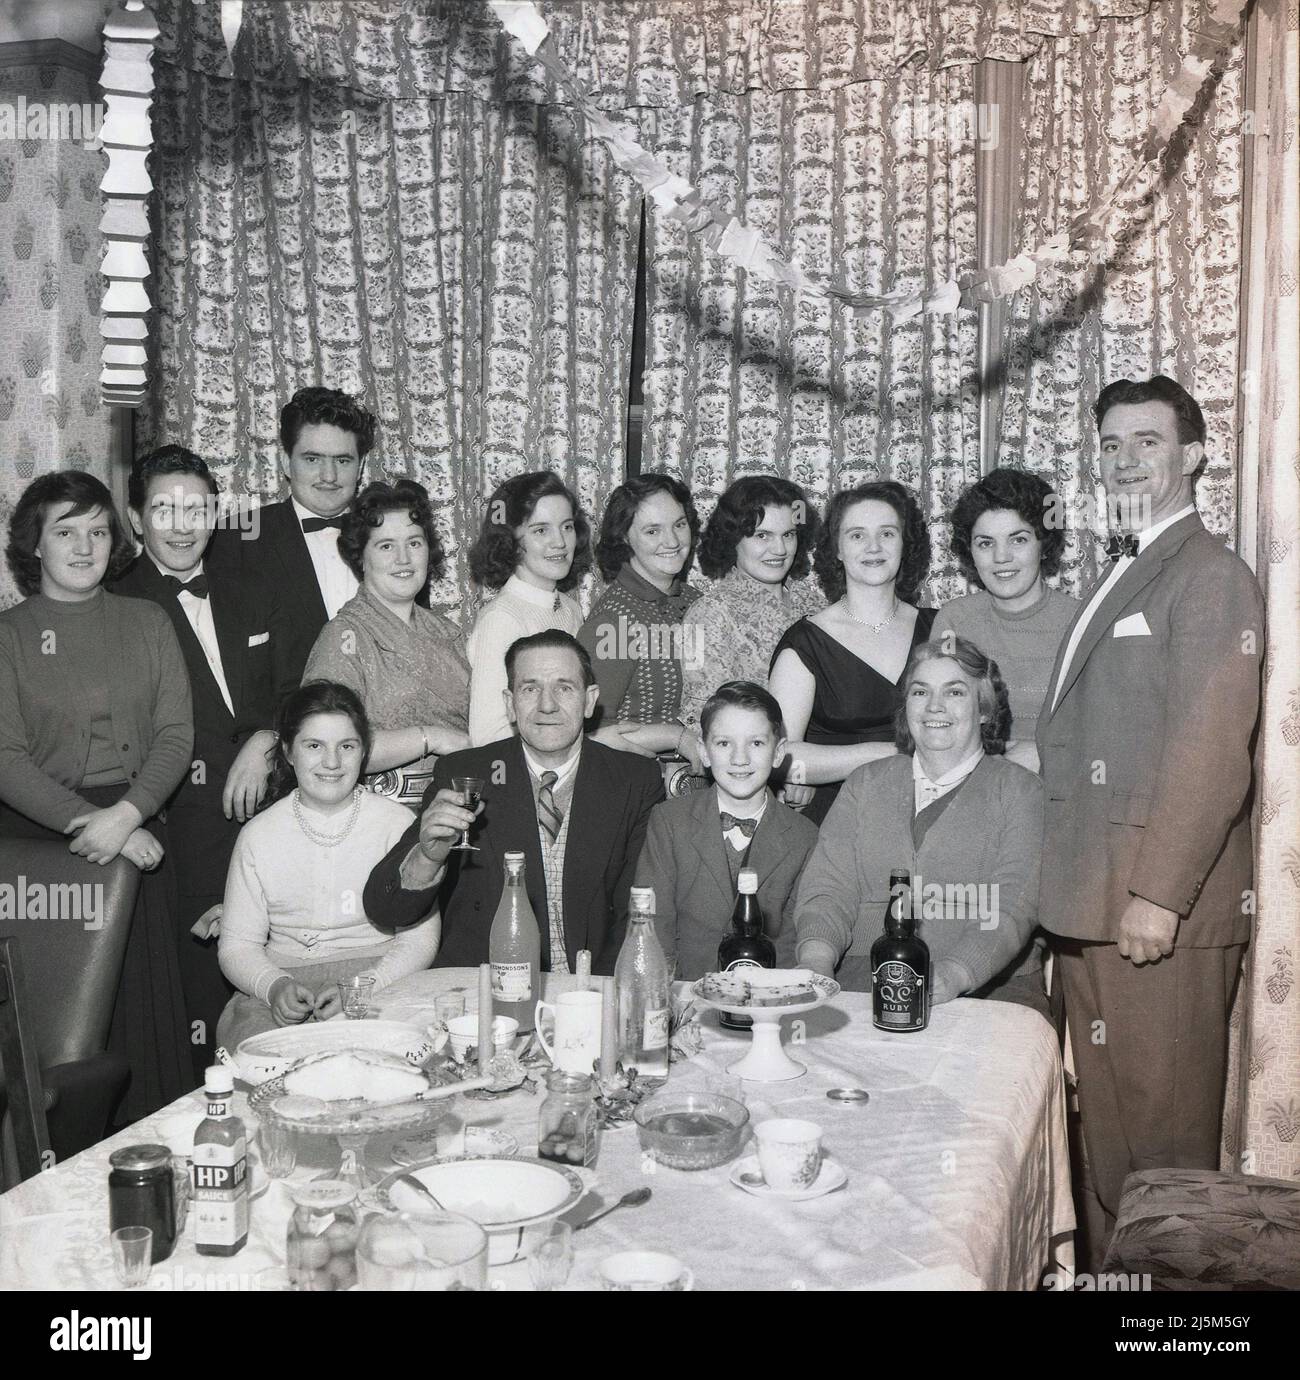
(478, 1142)
(524, 1192)
(266, 1056)
(831, 1177)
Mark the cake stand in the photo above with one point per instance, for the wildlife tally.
(766, 1061)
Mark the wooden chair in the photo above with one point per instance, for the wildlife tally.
(73, 943)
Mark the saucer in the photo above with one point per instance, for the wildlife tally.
(831, 1176)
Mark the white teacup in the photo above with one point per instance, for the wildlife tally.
(789, 1153)
(644, 1270)
(462, 1034)
(577, 1031)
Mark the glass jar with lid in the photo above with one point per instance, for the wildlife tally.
(566, 1121)
(321, 1248)
(142, 1193)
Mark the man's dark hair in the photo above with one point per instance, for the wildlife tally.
(549, 637)
(165, 460)
(1007, 490)
(367, 513)
(1191, 423)
(495, 553)
(72, 493)
(915, 563)
(326, 406)
(742, 694)
(313, 697)
(738, 514)
(613, 550)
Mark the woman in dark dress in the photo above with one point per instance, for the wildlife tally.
(835, 673)
(96, 732)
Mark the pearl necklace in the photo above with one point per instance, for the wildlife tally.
(862, 622)
(315, 835)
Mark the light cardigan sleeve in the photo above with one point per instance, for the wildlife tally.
(488, 643)
(246, 926)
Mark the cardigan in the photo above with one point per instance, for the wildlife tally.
(292, 902)
(45, 703)
(975, 873)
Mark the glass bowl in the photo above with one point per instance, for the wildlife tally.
(692, 1130)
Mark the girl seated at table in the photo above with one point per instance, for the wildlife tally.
(292, 925)
(966, 823)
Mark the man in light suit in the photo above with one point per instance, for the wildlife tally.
(234, 637)
(697, 844)
(325, 435)
(576, 809)
(1145, 743)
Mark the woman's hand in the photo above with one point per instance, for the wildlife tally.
(328, 1003)
(290, 1002)
(142, 849)
(103, 833)
(442, 740)
(947, 982)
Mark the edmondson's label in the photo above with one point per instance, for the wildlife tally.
(898, 992)
(655, 1028)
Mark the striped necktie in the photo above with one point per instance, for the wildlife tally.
(548, 813)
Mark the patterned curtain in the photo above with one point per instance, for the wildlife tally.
(1262, 1126)
(874, 181)
(1166, 299)
(461, 265)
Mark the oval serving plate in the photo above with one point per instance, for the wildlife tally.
(266, 1056)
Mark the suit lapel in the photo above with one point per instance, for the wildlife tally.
(707, 840)
(297, 571)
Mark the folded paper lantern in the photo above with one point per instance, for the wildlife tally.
(127, 136)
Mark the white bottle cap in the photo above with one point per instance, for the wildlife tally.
(218, 1079)
(747, 881)
(643, 899)
(514, 862)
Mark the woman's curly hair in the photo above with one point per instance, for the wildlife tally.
(495, 553)
(1028, 495)
(82, 493)
(738, 514)
(613, 550)
(991, 691)
(367, 513)
(915, 563)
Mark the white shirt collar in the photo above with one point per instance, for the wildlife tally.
(1147, 536)
(762, 805)
(562, 772)
(530, 594)
(949, 778)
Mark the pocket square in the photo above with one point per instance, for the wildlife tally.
(258, 638)
(1135, 625)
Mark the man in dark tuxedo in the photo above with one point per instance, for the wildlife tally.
(325, 435)
(577, 810)
(235, 639)
(1145, 744)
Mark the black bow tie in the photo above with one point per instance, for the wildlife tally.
(198, 586)
(730, 822)
(318, 524)
(1126, 544)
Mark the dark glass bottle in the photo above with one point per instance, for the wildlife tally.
(142, 1193)
(746, 946)
(900, 964)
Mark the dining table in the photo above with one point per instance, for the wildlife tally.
(957, 1167)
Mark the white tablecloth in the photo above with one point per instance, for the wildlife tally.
(958, 1168)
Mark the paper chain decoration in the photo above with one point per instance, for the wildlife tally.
(730, 237)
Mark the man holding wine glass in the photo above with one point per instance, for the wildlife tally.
(576, 809)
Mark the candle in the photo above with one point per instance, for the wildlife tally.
(584, 970)
(484, 1018)
(608, 1028)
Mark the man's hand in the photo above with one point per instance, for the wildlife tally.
(245, 787)
(444, 820)
(797, 797)
(624, 737)
(1146, 931)
(290, 1002)
(103, 833)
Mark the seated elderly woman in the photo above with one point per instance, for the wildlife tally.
(406, 663)
(292, 925)
(967, 824)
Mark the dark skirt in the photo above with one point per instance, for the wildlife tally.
(149, 1029)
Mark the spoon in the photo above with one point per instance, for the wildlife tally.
(412, 1182)
(633, 1199)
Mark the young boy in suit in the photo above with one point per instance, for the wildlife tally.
(696, 844)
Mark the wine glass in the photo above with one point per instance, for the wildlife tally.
(471, 790)
(427, 1251)
(551, 1256)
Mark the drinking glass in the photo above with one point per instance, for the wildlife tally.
(279, 1147)
(421, 1252)
(132, 1255)
(356, 994)
(448, 1006)
(551, 1255)
(471, 790)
